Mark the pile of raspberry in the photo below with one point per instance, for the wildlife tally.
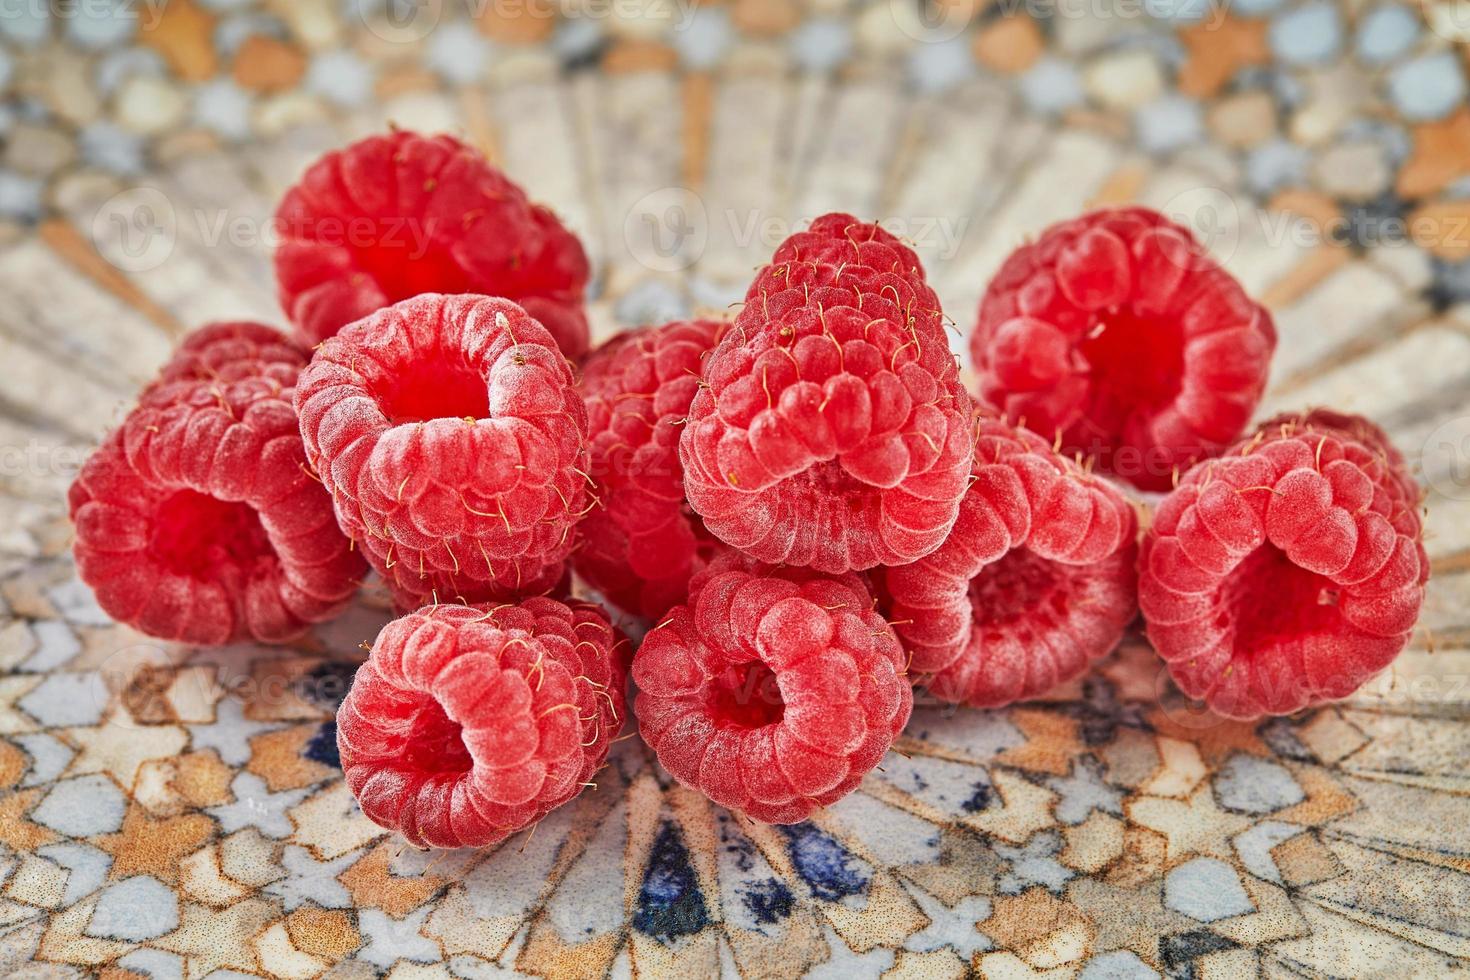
(801, 508)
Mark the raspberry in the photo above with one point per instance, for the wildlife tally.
(641, 545)
(1119, 332)
(832, 429)
(1289, 571)
(394, 216)
(774, 691)
(196, 520)
(452, 438)
(1034, 583)
(233, 351)
(467, 724)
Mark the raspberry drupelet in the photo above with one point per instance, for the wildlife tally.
(452, 438)
(468, 724)
(1290, 570)
(774, 691)
(1034, 583)
(831, 430)
(401, 214)
(641, 542)
(197, 520)
(1117, 331)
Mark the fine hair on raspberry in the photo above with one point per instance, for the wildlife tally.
(399, 214)
(774, 691)
(831, 430)
(197, 519)
(469, 723)
(1290, 570)
(1035, 582)
(641, 542)
(1117, 333)
(451, 436)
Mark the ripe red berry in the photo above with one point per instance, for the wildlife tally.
(467, 724)
(1119, 332)
(1289, 571)
(197, 520)
(774, 691)
(832, 428)
(642, 542)
(1034, 583)
(393, 216)
(451, 436)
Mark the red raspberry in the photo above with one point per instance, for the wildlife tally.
(467, 724)
(1035, 582)
(642, 543)
(774, 691)
(197, 519)
(1289, 571)
(832, 429)
(394, 216)
(451, 435)
(232, 351)
(1119, 332)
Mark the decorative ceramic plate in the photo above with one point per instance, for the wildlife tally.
(170, 812)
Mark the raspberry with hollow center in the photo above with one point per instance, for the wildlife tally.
(467, 724)
(832, 428)
(1034, 583)
(1289, 571)
(774, 691)
(401, 214)
(1119, 332)
(196, 520)
(641, 543)
(451, 436)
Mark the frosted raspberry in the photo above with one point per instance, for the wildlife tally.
(1119, 332)
(401, 214)
(1289, 571)
(452, 438)
(639, 546)
(774, 691)
(196, 520)
(832, 429)
(232, 351)
(467, 724)
(1034, 583)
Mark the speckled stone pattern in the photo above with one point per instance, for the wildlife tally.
(168, 812)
